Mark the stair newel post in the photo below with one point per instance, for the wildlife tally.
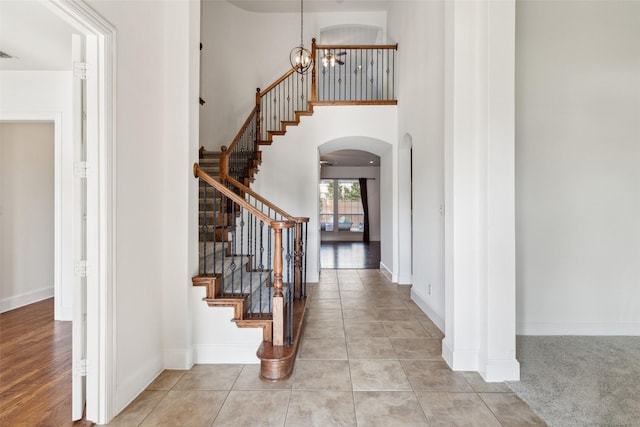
(224, 164)
(258, 115)
(278, 284)
(313, 70)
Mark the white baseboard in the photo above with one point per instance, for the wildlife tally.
(66, 314)
(405, 280)
(178, 359)
(231, 353)
(501, 370)
(579, 328)
(131, 387)
(386, 272)
(17, 301)
(435, 318)
(459, 360)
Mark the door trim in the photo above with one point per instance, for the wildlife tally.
(101, 205)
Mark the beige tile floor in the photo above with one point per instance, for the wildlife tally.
(369, 357)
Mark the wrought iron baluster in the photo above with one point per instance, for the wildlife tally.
(289, 326)
(203, 229)
(386, 93)
(261, 265)
(393, 92)
(269, 266)
(233, 265)
(240, 254)
(251, 239)
(223, 233)
(362, 70)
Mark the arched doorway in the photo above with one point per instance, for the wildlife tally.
(344, 162)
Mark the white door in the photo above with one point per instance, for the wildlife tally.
(79, 191)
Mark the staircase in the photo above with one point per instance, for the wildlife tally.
(252, 253)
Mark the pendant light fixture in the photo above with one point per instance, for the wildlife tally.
(300, 57)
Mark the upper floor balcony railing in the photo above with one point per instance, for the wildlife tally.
(353, 74)
(340, 75)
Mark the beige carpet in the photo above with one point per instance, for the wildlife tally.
(580, 381)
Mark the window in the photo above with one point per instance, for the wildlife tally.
(341, 210)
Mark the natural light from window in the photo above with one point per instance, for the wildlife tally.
(341, 210)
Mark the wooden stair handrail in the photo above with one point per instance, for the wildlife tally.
(261, 199)
(277, 227)
(199, 173)
(241, 131)
(357, 46)
(277, 82)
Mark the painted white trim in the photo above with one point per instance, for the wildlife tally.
(386, 272)
(579, 328)
(17, 301)
(435, 318)
(405, 279)
(176, 358)
(232, 353)
(462, 360)
(100, 301)
(501, 370)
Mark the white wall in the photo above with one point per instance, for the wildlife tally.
(26, 213)
(156, 145)
(296, 155)
(373, 191)
(388, 247)
(246, 50)
(417, 26)
(578, 180)
(46, 95)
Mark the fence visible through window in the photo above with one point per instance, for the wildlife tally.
(341, 206)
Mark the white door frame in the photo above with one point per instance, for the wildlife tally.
(101, 40)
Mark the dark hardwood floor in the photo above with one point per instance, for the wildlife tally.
(35, 367)
(349, 255)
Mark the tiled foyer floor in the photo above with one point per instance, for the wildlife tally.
(369, 357)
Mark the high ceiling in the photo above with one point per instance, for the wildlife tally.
(38, 39)
(35, 37)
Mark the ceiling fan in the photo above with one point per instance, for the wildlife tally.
(330, 59)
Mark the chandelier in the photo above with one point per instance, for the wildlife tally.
(300, 57)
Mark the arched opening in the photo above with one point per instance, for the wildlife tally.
(351, 35)
(351, 203)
